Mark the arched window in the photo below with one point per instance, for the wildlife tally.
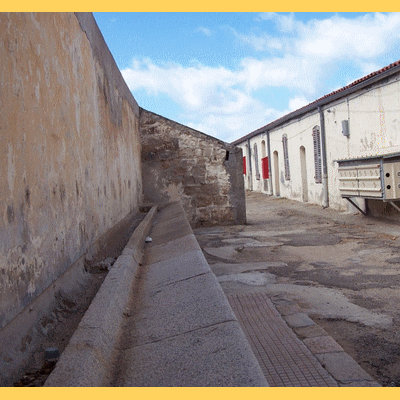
(264, 161)
(317, 154)
(286, 156)
(263, 153)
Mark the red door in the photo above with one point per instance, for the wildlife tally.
(265, 169)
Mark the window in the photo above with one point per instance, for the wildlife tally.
(317, 154)
(286, 156)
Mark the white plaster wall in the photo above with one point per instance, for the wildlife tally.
(374, 125)
(251, 181)
(299, 133)
(374, 122)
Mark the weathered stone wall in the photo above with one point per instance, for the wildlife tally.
(70, 149)
(180, 163)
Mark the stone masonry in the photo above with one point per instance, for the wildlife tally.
(180, 163)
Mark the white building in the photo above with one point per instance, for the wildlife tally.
(298, 156)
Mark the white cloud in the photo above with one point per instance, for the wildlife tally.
(285, 23)
(289, 71)
(192, 87)
(364, 37)
(221, 101)
(217, 101)
(206, 31)
(297, 102)
(368, 67)
(214, 100)
(261, 42)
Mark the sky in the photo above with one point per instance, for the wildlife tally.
(228, 74)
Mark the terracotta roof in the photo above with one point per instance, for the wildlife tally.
(323, 100)
(363, 79)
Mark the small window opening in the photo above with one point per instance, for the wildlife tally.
(227, 156)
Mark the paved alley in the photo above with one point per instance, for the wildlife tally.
(340, 270)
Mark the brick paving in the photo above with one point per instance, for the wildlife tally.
(283, 357)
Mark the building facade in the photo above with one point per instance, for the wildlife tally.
(297, 156)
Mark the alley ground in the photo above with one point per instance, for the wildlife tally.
(342, 269)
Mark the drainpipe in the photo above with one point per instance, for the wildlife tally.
(325, 201)
(270, 192)
(250, 169)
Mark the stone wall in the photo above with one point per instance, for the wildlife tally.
(180, 163)
(70, 150)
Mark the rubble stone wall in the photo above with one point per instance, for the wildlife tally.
(180, 163)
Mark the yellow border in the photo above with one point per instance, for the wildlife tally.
(205, 5)
(195, 393)
(198, 393)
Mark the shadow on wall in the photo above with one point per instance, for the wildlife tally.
(379, 208)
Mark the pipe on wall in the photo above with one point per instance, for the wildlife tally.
(270, 191)
(250, 167)
(325, 201)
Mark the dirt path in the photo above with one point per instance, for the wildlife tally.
(342, 269)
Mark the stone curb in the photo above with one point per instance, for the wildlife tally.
(135, 245)
(328, 352)
(185, 332)
(87, 358)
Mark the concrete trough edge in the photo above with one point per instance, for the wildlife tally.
(135, 244)
(255, 376)
(87, 358)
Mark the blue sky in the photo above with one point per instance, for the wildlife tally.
(227, 74)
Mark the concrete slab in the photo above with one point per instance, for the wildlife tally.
(177, 308)
(225, 268)
(312, 239)
(169, 231)
(172, 248)
(269, 233)
(249, 278)
(331, 303)
(262, 244)
(168, 211)
(343, 368)
(239, 241)
(361, 384)
(298, 320)
(112, 298)
(226, 252)
(179, 268)
(322, 344)
(310, 331)
(286, 307)
(136, 241)
(213, 356)
(81, 366)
